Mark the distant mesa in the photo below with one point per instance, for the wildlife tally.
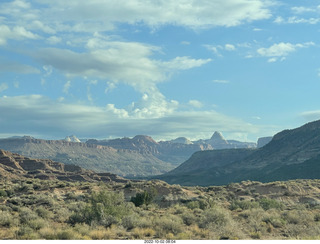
(72, 138)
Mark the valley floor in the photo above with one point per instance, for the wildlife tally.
(40, 209)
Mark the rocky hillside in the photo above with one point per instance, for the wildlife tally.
(15, 166)
(292, 154)
(90, 156)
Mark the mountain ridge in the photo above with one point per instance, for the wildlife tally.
(280, 159)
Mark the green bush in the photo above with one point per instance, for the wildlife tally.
(193, 205)
(189, 218)
(214, 217)
(104, 208)
(26, 215)
(267, 203)
(131, 221)
(145, 197)
(3, 193)
(168, 224)
(6, 219)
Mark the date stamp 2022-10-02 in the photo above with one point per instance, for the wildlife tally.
(159, 241)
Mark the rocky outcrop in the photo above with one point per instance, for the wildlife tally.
(15, 165)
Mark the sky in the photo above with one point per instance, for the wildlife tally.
(164, 68)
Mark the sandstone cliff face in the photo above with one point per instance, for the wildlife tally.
(100, 158)
(15, 165)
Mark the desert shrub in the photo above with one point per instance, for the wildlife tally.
(130, 221)
(189, 218)
(267, 203)
(101, 233)
(244, 205)
(145, 197)
(26, 233)
(6, 219)
(214, 217)
(61, 214)
(144, 222)
(273, 218)
(294, 231)
(317, 217)
(26, 188)
(167, 224)
(47, 233)
(26, 215)
(82, 228)
(68, 234)
(141, 233)
(255, 235)
(43, 212)
(3, 193)
(10, 192)
(303, 217)
(193, 205)
(37, 224)
(104, 208)
(14, 201)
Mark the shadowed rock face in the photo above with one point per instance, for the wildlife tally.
(15, 165)
(291, 154)
(262, 141)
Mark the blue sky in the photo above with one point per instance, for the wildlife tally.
(165, 68)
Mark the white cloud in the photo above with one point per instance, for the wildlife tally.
(183, 63)
(229, 47)
(297, 20)
(3, 87)
(196, 103)
(126, 62)
(42, 116)
(221, 81)
(185, 43)
(281, 50)
(279, 20)
(302, 9)
(15, 33)
(54, 40)
(311, 115)
(216, 49)
(104, 14)
(66, 87)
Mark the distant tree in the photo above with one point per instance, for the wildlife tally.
(145, 197)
